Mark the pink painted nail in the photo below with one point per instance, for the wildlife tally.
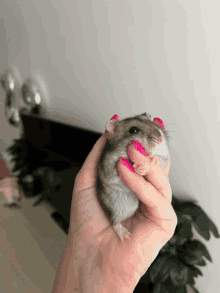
(139, 148)
(159, 121)
(115, 117)
(127, 164)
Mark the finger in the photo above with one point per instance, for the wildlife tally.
(155, 175)
(160, 181)
(87, 175)
(159, 208)
(88, 172)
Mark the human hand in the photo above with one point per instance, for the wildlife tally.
(102, 260)
(147, 164)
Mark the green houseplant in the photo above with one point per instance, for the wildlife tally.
(177, 263)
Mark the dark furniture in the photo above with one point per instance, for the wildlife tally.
(52, 153)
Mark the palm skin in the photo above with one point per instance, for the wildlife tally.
(120, 265)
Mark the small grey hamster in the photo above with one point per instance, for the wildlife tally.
(117, 200)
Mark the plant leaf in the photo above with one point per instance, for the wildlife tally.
(190, 279)
(184, 232)
(191, 259)
(195, 247)
(164, 272)
(169, 287)
(178, 272)
(201, 221)
(198, 222)
(194, 271)
(156, 266)
(157, 288)
(183, 289)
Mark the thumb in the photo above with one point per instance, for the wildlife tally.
(159, 208)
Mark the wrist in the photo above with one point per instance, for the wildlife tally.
(95, 275)
(82, 269)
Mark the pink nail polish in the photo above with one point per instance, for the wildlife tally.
(127, 164)
(139, 148)
(159, 121)
(115, 117)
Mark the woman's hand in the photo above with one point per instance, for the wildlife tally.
(101, 263)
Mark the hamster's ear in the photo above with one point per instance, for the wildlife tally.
(148, 116)
(159, 122)
(111, 126)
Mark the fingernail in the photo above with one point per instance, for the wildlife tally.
(139, 148)
(127, 164)
(159, 121)
(115, 117)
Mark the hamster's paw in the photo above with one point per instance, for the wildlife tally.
(121, 232)
(141, 169)
(155, 160)
(147, 165)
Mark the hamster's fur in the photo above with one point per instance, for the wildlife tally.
(117, 200)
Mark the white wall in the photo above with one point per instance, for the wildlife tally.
(102, 58)
(7, 133)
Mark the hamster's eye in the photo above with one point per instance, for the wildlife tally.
(134, 130)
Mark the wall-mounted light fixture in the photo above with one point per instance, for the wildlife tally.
(11, 81)
(31, 97)
(35, 95)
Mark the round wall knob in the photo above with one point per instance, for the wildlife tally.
(35, 95)
(4, 81)
(11, 111)
(11, 79)
(25, 92)
(30, 93)
(11, 83)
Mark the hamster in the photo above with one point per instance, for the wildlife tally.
(117, 200)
